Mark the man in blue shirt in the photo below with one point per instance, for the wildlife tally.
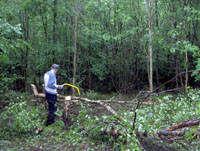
(51, 92)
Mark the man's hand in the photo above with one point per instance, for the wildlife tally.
(60, 87)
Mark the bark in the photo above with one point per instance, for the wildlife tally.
(24, 58)
(75, 99)
(66, 115)
(174, 79)
(113, 132)
(177, 133)
(103, 103)
(176, 58)
(158, 51)
(171, 130)
(148, 2)
(184, 124)
(54, 20)
(54, 26)
(88, 63)
(44, 22)
(75, 43)
(97, 102)
(186, 54)
(171, 133)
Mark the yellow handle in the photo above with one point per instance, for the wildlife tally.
(72, 86)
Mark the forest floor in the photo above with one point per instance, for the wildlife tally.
(22, 125)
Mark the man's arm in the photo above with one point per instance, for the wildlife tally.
(51, 83)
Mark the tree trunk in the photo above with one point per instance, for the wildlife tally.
(66, 115)
(45, 27)
(26, 38)
(148, 2)
(75, 43)
(158, 50)
(186, 54)
(54, 28)
(176, 58)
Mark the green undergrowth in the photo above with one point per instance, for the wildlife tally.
(93, 126)
(95, 96)
(169, 110)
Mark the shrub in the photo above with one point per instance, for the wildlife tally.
(95, 96)
(18, 119)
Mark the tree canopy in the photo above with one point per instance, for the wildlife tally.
(112, 42)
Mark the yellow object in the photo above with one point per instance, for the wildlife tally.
(72, 86)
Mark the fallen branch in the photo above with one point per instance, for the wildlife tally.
(173, 79)
(61, 98)
(97, 102)
(35, 92)
(171, 133)
(75, 99)
(188, 123)
(171, 130)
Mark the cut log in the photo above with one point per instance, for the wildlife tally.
(171, 133)
(35, 92)
(113, 132)
(188, 123)
(42, 95)
(171, 130)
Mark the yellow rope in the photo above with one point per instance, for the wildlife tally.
(72, 86)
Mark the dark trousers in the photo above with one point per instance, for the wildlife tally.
(51, 99)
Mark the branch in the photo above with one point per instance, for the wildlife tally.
(173, 79)
(171, 130)
(171, 133)
(97, 102)
(75, 99)
(188, 123)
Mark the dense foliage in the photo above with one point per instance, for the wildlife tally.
(103, 46)
(112, 42)
(19, 117)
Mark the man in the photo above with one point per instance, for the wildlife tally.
(51, 92)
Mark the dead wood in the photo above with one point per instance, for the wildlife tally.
(171, 130)
(113, 132)
(188, 123)
(75, 99)
(171, 133)
(97, 102)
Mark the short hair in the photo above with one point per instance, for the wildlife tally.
(55, 66)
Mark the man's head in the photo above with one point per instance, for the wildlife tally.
(54, 68)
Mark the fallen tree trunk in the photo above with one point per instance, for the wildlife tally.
(171, 133)
(178, 133)
(171, 130)
(60, 97)
(75, 99)
(188, 123)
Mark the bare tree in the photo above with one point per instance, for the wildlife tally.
(186, 54)
(148, 3)
(54, 27)
(75, 42)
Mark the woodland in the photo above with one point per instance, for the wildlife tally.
(135, 62)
